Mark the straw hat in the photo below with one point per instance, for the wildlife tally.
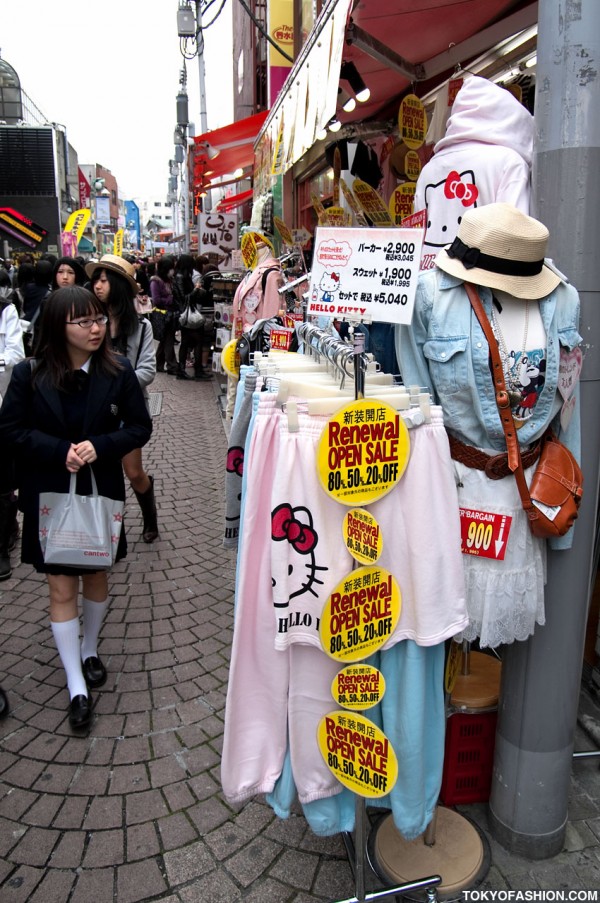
(500, 247)
(115, 265)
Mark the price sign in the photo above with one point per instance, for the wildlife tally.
(358, 687)
(360, 614)
(358, 753)
(280, 338)
(359, 273)
(362, 536)
(484, 533)
(363, 451)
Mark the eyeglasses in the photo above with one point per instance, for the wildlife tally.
(88, 323)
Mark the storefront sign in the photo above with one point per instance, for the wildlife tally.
(412, 166)
(363, 451)
(284, 231)
(371, 203)
(365, 273)
(77, 222)
(353, 204)
(402, 202)
(20, 226)
(362, 536)
(334, 216)
(484, 533)
(358, 753)
(218, 233)
(68, 244)
(85, 190)
(358, 687)
(360, 614)
(412, 121)
(118, 243)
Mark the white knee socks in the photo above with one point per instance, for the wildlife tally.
(66, 637)
(93, 616)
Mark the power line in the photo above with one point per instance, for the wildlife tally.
(264, 33)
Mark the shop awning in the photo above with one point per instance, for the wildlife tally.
(234, 144)
(393, 44)
(235, 200)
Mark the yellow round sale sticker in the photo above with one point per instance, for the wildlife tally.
(360, 614)
(363, 451)
(358, 753)
(453, 666)
(412, 121)
(358, 687)
(230, 359)
(362, 536)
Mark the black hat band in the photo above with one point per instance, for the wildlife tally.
(473, 257)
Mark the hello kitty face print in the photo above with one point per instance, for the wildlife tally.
(446, 202)
(295, 571)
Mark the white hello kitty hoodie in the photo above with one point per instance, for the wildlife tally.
(484, 157)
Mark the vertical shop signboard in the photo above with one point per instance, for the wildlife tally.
(363, 452)
(365, 273)
(218, 234)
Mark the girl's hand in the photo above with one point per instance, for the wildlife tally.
(74, 462)
(85, 451)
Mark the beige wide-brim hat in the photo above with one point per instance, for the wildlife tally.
(500, 247)
(115, 265)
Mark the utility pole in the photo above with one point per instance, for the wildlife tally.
(201, 69)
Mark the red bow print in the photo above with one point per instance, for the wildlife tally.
(285, 526)
(235, 460)
(465, 192)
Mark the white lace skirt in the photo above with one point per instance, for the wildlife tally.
(505, 599)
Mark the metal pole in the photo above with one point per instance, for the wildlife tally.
(541, 677)
(201, 70)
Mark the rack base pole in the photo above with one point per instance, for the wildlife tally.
(460, 854)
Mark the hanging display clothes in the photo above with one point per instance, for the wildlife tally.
(255, 300)
(446, 350)
(276, 693)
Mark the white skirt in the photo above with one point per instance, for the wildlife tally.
(505, 599)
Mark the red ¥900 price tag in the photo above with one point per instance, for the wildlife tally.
(484, 533)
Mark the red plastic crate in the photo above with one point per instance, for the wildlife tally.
(468, 757)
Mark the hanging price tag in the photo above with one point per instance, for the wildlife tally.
(484, 533)
(358, 687)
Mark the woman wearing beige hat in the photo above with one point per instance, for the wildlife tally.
(113, 282)
(534, 315)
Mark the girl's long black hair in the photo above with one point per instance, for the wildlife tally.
(120, 302)
(52, 356)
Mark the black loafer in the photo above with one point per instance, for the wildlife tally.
(80, 712)
(94, 672)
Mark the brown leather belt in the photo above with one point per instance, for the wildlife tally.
(495, 466)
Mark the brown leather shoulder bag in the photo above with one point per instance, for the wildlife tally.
(552, 500)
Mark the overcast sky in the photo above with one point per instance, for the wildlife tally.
(109, 71)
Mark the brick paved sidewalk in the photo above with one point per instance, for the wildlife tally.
(133, 812)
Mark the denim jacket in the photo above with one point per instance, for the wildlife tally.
(445, 350)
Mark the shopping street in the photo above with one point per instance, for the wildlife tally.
(134, 811)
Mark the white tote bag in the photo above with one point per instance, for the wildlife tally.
(80, 531)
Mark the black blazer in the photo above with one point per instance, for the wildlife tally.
(32, 424)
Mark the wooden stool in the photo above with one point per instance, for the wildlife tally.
(478, 686)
